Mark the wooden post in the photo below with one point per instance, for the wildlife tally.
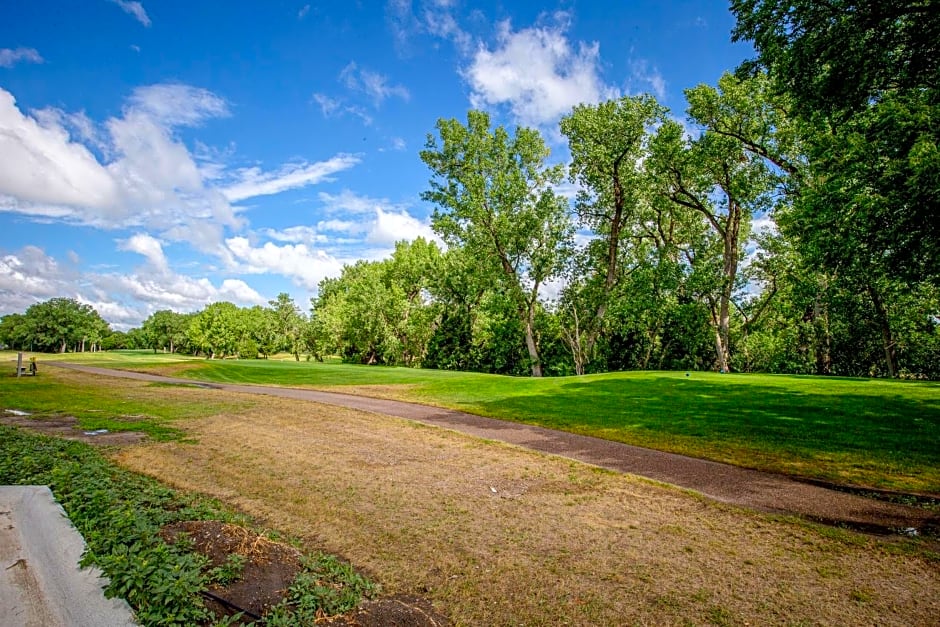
(19, 364)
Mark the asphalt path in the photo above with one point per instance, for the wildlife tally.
(755, 489)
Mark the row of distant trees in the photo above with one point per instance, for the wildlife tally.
(220, 330)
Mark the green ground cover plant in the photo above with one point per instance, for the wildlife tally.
(120, 513)
(868, 432)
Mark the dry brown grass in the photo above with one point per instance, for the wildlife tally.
(496, 535)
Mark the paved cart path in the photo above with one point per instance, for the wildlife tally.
(729, 484)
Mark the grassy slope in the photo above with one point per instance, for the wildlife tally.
(868, 432)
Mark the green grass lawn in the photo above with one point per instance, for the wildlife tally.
(868, 432)
(100, 407)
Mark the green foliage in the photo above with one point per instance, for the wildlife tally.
(55, 325)
(229, 572)
(118, 514)
(378, 312)
(166, 330)
(493, 196)
(325, 585)
(874, 192)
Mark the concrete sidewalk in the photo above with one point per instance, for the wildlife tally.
(40, 582)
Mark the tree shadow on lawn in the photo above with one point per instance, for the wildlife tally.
(901, 431)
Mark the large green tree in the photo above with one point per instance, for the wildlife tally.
(289, 323)
(609, 143)
(864, 78)
(58, 324)
(166, 330)
(493, 194)
(726, 176)
(217, 330)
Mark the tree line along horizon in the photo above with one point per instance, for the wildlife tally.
(831, 136)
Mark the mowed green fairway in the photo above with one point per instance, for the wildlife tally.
(866, 432)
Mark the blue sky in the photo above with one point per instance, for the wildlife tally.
(167, 154)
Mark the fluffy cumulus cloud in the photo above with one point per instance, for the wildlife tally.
(393, 226)
(133, 171)
(308, 254)
(536, 72)
(382, 222)
(305, 265)
(124, 299)
(27, 276)
(149, 247)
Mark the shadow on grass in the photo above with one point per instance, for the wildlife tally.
(894, 427)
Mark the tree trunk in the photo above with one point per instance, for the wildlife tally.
(823, 338)
(530, 339)
(729, 272)
(887, 337)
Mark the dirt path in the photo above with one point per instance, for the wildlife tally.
(722, 482)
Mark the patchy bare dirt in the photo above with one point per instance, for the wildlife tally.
(760, 490)
(268, 570)
(492, 534)
(67, 427)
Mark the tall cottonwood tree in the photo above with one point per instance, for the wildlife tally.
(724, 177)
(609, 143)
(58, 324)
(493, 195)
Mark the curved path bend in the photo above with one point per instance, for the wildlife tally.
(756, 489)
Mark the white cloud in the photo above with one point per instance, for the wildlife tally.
(27, 277)
(343, 226)
(372, 84)
(328, 106)
(175, 104)
(149, 247)
(30, 275)
(332, 107)
(537, 73)
(434, 17)
(134, 8)
(349, 202)
(391, 227)
(253, 182)
(402, 22)
(295, 235)
(145, 177)
(302, 13)
(440, 22)
(305, 265)
(648, 79)
(11, 56)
